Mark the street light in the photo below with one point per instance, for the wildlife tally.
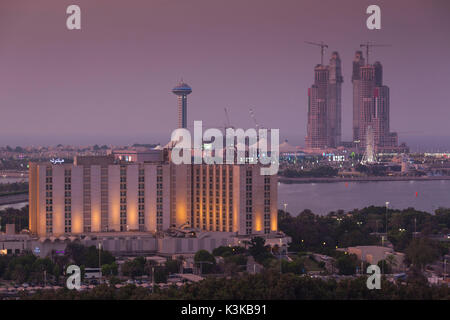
(99, 260)
(280, 257)
(384, 260)
(445, 269)
(387, 205)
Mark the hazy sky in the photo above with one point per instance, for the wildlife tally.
(111, 81)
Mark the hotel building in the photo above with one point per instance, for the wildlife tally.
(105, 194)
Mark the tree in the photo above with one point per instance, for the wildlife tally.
(258, 250)
(346, 264)
(385, 266)
(205, 260)
(296, 266)
(134, 268)
(110, 269)
(222, 251)
(421, 252)
(160, 274)
(173, 266)
(88, 256)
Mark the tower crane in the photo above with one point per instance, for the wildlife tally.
(228, 123)
(252, 115)
(368, 45)
(322, 48)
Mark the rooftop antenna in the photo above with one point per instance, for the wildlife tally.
(322, 48)
(368, 45)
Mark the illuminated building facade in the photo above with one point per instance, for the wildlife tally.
(358, 62)
(317, 127)
(102, 194)
(324, 106)
(335, 101)
(373, 108)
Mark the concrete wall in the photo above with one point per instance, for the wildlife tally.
(192, 245)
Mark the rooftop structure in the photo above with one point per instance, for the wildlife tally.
(182, 90)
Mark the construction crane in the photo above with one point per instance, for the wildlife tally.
(228, 123)
(252, 114)
(322, 48)
(368, 45)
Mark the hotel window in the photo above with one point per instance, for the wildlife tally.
(67, 201)
(159, 198)
(123, 199)
(49, 201)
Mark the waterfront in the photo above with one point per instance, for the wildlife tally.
(13, 179)
(322, 198)
(19, 205)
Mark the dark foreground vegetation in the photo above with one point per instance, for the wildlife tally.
(311, 232)
(412, 232)
(13, 188)
(266, 286)
(19, 217)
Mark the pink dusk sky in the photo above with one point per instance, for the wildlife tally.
(110, 83)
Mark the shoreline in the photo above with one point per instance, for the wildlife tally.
(286, 180)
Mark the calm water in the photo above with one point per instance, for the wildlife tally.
(322, 198)
(12, 180)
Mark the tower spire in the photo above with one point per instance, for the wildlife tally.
(181, 91)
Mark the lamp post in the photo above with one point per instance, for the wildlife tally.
(280, 257)
(153, 279)
(387, 205)
(445, 269)
(100, 260)
(384, 257)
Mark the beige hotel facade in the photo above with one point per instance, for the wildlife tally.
(106, 194)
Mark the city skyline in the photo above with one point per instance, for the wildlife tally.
(246, 151)
(92, 76)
